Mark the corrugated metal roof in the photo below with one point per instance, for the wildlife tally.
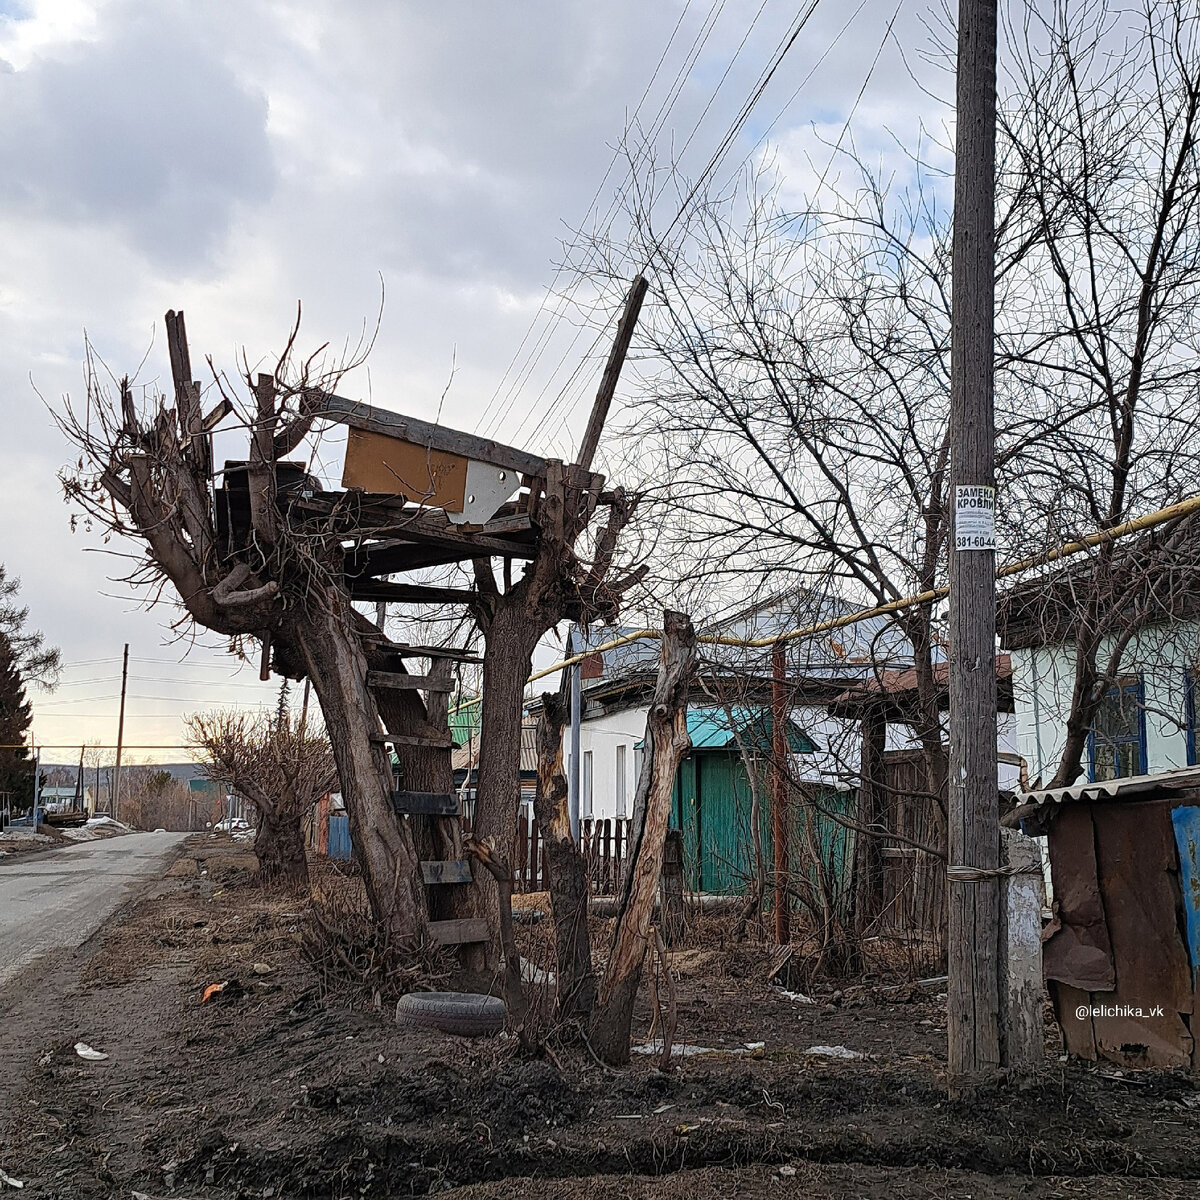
(712, 729)
(1114, 789)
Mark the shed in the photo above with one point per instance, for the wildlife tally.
(711, 802)
(1121, 953)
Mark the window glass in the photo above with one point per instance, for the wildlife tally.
(1118, 732)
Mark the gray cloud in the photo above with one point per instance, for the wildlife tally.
(144, 128)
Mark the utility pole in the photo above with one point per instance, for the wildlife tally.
(116, 796)
(973, 997)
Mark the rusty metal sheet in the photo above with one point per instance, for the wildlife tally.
(1138, 869)
(389, 465)
(1076, 948)
(1186, 821)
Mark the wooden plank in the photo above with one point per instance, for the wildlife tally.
(422, 433)
(459, 932)
(517, 523)
(434, 530)
(396, 681)
(368, 588)
(438, 741)
(450, 871)
(407, 650)
(425, 804)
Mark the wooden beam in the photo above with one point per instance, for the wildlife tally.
(612, 372)
(422, 433)
(438, 741)
(451, 871)
(405, 650)
(456, 933)
(369, 588)
(401, 682)
(426, 804)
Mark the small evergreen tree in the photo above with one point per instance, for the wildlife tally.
(16, 715)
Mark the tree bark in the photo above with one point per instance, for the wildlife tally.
(868, 847)
(666, 742)
(329, 646)
(507, 662)
(568, 872)
(279, 848)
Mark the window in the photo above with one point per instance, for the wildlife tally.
(620, 781)
(585, 807)
(1117, 740)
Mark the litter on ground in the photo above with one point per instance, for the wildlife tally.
(85, 1051)
(833, 1052)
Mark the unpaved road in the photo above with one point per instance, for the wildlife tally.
(58, 899)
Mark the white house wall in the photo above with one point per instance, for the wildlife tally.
(1043, 679)
(601, 735)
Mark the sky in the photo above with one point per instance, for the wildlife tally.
(232, 158)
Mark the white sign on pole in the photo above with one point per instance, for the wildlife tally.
(974, 517)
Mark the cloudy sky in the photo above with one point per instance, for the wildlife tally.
(233, 157)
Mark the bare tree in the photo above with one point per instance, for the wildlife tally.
(273, 570)
(270, 557)
(282, 765)
(1103, 171)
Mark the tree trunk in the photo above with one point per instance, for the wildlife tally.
(331, 650)
(665, 744)
(279, 847)
(868, 847)
(507, 662)
(568, 872)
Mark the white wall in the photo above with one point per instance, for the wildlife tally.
(602, 735)
(1043, 679)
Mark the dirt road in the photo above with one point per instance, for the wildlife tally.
(57, 900)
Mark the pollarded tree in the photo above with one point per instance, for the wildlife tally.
(283, 765)
(274, 559)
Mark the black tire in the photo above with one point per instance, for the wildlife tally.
(466, 1014)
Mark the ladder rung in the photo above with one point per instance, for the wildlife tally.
(419, 739)
(455, 870)
(460, 931)
(406, 650)
(426, 804)
(400, 682)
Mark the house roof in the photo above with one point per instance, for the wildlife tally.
(466, 757)
(1131, 787)
(713, 729)
(897, 687)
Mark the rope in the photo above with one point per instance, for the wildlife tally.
(963, 874)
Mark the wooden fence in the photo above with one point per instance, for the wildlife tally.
(605, 848)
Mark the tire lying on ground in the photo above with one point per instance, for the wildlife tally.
(464, 1013)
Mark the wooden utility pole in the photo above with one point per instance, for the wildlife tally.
(973, 997)
(779, 793)
(612, 372)
(116, 796)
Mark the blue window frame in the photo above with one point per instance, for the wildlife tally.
(1117, 738)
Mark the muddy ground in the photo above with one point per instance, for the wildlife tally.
(281, 1087)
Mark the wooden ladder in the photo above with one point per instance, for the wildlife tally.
(437, 686)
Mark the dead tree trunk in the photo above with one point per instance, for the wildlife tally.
(868, 840)
(279, 848)
(568, 872)
(665, 744)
